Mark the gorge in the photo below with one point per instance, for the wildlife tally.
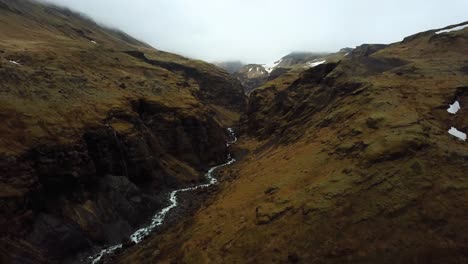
(112, 151)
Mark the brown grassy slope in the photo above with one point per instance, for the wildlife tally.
(91, 132)
(359, 169)
(66, 82)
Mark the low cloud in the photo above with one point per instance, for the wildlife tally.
(261, 31)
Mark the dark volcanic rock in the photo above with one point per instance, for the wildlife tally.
(100, 189)
(59, 238)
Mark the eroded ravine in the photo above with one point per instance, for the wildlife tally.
(160, 216)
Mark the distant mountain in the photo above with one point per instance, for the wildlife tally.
(230, 66)
(255, 75)
(252, 75)
(298, 58)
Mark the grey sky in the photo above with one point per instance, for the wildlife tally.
(261, 31)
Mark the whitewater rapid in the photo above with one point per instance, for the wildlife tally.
(158, 218)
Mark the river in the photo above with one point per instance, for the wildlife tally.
(159, 217)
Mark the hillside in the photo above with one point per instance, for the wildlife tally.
(347, 162)
(95, 125)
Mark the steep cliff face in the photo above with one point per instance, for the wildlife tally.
(96, 127)
(62, 198)
(271, 109)
(349, 162)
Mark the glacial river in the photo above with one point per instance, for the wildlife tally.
(158, 218)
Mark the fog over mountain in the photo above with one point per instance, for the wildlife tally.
(261, 31)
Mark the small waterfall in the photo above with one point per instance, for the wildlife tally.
(121, 150)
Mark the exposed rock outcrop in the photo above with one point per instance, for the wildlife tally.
(101, 188)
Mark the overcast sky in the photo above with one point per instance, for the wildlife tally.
(262, 31)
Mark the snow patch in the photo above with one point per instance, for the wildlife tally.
(313, 64)
(250, 69)
(14, 62)
(452, 29)
(270, 67)
(94, 42)
(455, 132)
(453, 108)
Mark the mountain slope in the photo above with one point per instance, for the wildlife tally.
(96, 124)
(251, 76)
(351, 162)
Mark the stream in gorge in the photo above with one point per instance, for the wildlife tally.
(158, 218)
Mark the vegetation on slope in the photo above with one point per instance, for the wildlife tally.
(94, 123)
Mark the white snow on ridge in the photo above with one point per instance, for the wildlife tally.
(94, 42)
(452, 29)
(14, 62)
(455, 132)
(316, 63)
(453, 109)
(250, 69)
(270, 67)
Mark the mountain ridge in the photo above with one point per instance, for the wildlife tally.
(253, 76)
